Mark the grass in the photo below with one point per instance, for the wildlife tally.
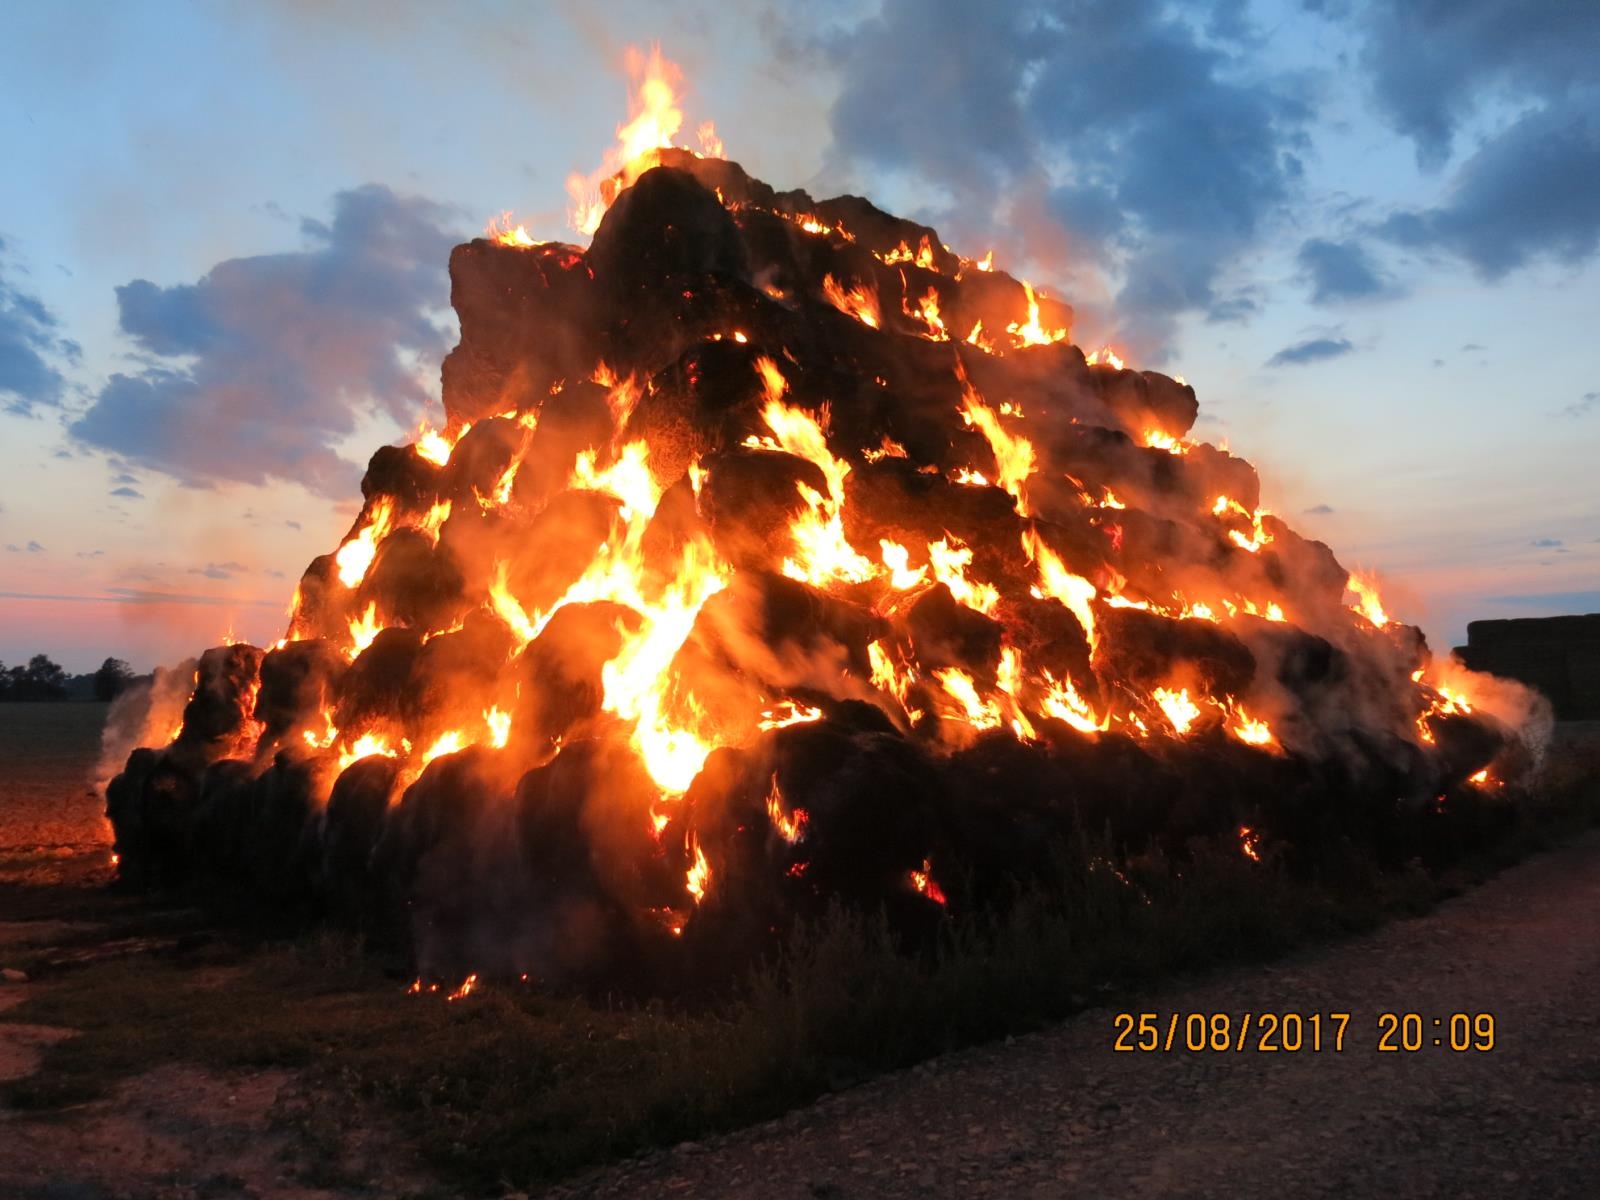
(513, 1086)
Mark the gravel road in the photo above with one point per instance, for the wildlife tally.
(1061, 1114)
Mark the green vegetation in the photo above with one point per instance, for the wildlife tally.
(514, 1085)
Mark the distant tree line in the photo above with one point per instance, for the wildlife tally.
(43, 679)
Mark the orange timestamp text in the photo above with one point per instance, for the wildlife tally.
(1295, 1032)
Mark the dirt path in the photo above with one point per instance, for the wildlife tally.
(1061, 1114)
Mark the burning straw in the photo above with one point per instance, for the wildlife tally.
(773, 554)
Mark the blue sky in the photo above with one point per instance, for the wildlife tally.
(1366, 232)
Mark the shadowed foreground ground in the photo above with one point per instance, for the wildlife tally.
(1060, 1114)
(1053, 1114)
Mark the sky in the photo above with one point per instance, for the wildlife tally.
(1366, 232)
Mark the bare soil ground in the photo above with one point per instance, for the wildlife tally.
(50, 814)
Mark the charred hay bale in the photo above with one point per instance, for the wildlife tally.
(525, 315)
(893, 500)
(442, 854)
(673, 526)
(1302, 568)
(1214, 472)
(783, 633)
(1048, 637)
(729, 179)
(1465, 743)
(750, 498)
(167, 805)
(1122, 790)
(999, 301)
(708, 399)
(374, 692)
(877, 808)
(945, 634)
(281, 850)
(1146, 400)
(1297, 660)
(667, 225)
(558, 674)
(883, 233)
(401, 475)
(453, 676)
(352, 825)
(299, 682)
(600, 885)
(320, 600)
(1014, 815)
(415, 581)
(125, 809)
(1149, 651)
(223, 825)
(556, 546)
(575, 419)
(217, 715)
(479, 459)
(1158, 558)
(1222, 784)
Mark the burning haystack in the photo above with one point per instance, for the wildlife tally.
(774, 554)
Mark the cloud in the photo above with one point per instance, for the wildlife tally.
(1434, 65)
(128, 493)
(1588, 403)
(268, 361)
(1138, 134)
(1546, 543)
(35, 548)
(31, 350)
(1528, 193)
(1319, 510)
(1313, 350)
(1340, 271)
(225, 570)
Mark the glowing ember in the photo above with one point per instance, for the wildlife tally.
(1250, 843)
(923, 882)
(791, 826)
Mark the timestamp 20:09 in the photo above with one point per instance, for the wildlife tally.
(1291, 1032)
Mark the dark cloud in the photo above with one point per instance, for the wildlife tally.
(1340, 271)
(272, 359)
(31, 349)
(1528, 193)
(1319, 510)
(1435, 63)
(225, 570)
(128, 493)
(123, 477)
(1546, 543)
(35, 548)
(1590, 402)
(292, 524)
(1136, 135)
(1313, 350)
